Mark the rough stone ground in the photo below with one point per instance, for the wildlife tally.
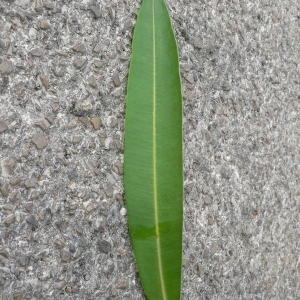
(63, 68)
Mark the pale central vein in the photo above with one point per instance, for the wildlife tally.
(160, 267)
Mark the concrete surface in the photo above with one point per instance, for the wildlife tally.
(63, 230)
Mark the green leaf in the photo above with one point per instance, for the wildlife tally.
(153, 167)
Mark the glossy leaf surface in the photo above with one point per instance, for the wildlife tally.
(153, 168)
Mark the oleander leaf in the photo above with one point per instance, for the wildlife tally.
(153, 166)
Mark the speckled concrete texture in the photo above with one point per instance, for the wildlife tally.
(63, 73)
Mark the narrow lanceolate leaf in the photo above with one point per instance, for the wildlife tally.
(153, 170)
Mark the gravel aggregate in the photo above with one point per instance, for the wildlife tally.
(63, 76)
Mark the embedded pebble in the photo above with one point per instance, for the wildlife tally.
(48, 5)
(128, 24)
(123, 211)
(32, 220)
(90, 208)
(93, 81)
(114, 292)
(4, 190)
(54, 106)
(206, 252)
(121, 251)
(80, 47)
(226, 86)
(210, 221)
(6, 67)
(83, 120)
(201, 270)
(31, 182)
(98, 63)
(72, 125)
(3, 126)
(40, 141)
(79, 63)
(29, 207)
(112, 121)
(96, 11)
(207, 200)
(65, 256)
(59, 243)
(7, 207)
(96, 122)
(45, 81)
(104, 246)
(7, 166)
(97, 48)
(45, 25)
(37, 52)
(190, 78)
(116, 79)
(9, 219)
(109, 190)
(197, 43)
(43, 124)
(18, 295)
(38, 5)
(77, 139)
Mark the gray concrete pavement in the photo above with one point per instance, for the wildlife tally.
(63, 72)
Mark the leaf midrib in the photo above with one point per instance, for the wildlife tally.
(160, 267)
